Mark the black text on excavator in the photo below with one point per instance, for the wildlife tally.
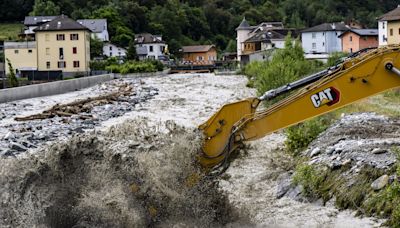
(360, 75)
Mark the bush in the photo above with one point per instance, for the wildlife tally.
(300, 135)
(335, 58)
(310, 178)
(113, 68)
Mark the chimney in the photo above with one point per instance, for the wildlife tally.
(333, 26)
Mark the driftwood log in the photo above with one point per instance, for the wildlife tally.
(80, 106)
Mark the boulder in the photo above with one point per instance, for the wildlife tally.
(380, 182)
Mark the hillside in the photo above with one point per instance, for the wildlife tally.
(198, 21)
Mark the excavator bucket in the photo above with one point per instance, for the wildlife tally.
(218, 130)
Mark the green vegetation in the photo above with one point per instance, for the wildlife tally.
(12, 79)
(10, 31)
(335, 58)
(300, 135)
(136, 67)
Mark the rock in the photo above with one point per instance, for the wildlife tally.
(315, 152)
(284, 184)
(379, 151)
(9, 135)
(335, 165)
(17, 147)
(380, 182)
(295, 193)
(346, 162)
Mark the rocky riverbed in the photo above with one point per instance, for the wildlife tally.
(131, 173)
(18, 137)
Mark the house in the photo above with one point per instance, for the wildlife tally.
(22, 55)
(199, 54)
(253, 41)
(98, 27)
(32, 22)
(321, 40)
(150, 46)
(389, 27)
(354, 40)
(111, 50)
(63, 44)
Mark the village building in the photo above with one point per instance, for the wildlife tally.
(389, 27)
(199, 54)
(98, 27)
(354, 40)
(320, 41)
(60, 45)
(112, 50)
(150, 46)
(253, 42)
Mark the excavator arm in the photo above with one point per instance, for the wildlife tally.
(361, 75)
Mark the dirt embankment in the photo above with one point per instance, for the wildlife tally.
(133, 175)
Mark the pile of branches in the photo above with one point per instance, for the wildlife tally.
(80, 106)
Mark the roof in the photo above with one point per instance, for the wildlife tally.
(147, 38)
(244, 25)
(60, 23)
(36, 20)
(95, 25)
(393, 15)
(197, 48)
(362, 32)
(337, 26)
(273, 34)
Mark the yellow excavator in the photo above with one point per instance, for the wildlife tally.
(360, 75)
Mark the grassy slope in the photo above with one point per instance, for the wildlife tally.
(10, 30)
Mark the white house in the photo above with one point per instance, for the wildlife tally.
(321, 40)
(150, 46)
(98, 27)
(111, 50)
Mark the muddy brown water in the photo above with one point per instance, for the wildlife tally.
(134, 175)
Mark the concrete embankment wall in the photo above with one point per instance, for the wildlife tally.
(60, 87)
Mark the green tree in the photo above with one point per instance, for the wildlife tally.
(12, 79)
(131, 53)
(45, 8)
(96, 48)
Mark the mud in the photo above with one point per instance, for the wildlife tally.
(133, 175)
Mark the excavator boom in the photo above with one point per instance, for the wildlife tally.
(361, 75)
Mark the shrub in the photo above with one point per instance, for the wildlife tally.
(300, 135)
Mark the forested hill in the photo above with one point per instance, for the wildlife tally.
(198, 21)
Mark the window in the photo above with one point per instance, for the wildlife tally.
(48, 65)
(16, 51)
(119, 53)
(74, 36)
(399, 31)
(351, 38)
(200, 58)
(47, 37)
(110, 54)
(383, 25)
(323, 34)
(365, 38)
(110, 48)
(384, 38)
(61, 64)
(323, 44)
(351, 50)
(30, 51)
(314, 35)
(61, 53)
(47, 51)
(76, 64)
(391, 32)
(150, 48)
(74, 50)
(60, 37)
(314, 45)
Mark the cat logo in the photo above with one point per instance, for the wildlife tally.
(329, 96)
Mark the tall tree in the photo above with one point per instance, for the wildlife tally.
(45, 8)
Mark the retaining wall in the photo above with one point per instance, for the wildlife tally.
(51, 88)
(59, 87)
